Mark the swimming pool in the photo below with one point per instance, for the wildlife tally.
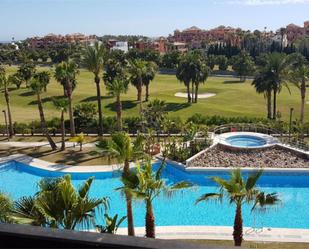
(245, 141)
(18, 180)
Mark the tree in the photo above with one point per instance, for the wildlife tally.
(116, 87)
(65, 73)
(37, 87)
(222, 62)
(84, 114)
(6, 206)
(15, 79)
(147, 185)
(151, 69)
(155, 113)
(299, 75)
(137, 70)
(4, 84)
(121, 148)
(201, 75)
(185, 71)
(58, 204)
(273, 70)
(26, 71)
(62, 105)
(240, 191)
(94, 62)
(243, 65)
(43, 77)
(262, 85)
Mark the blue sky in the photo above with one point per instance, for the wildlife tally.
(26, 18)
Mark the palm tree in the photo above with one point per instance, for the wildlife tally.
(65, 73)
(239, 191)
(26, 71)
(137, 70)
(148, 185)
(94, 62)
(4, 83)
(121, 148)
(201, 76)
(151, 69)
(274, 71)
(6, 206)
(59, 205)
(116, 87)
(262, 85)
(61, 104)
(43, 77)
(37, 87)
(299, 75)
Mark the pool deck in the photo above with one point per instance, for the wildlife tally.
(225, 233)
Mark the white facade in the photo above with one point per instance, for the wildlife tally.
(123, 46)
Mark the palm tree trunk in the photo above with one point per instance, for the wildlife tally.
(131, 232)
(192, 92)
(43, 123)
(119, 111)
(72, 125)
(147, 92)
(275, 105)
(62, 131)
(140, 96)
(237, 234)
(268, 99)
(303, 96)
(97, 81)
(7, 99)
(188, 92)
(150, 221)
(196, 92)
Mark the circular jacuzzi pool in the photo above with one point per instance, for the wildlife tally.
(245, 140)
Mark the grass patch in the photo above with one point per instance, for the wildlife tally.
(233, 98)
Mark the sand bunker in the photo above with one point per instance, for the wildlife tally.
(199, 96)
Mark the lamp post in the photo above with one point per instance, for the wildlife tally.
(290, 126)
(6, 125)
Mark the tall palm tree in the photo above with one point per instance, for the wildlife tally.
(65, 73)
(62, 105)
(58, 204)
(4, 83)
(274, 70)
(299, 75)
(94, 62)
(147, 185)
(137, 70)
(151, 69)
(6, 206)
(240, 191)
(116, 87)
(262, 85)
(124, 151)
(201, 76)
(37, 87)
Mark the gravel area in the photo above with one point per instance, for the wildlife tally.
(271, 158)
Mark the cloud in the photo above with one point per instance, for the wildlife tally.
(266, 2)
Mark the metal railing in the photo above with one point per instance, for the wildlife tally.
(283, 137)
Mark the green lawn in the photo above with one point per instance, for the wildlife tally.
(233, 98)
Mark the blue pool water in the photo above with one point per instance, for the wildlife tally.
(245, 141)
(19, 180)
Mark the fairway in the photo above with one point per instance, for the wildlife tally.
(232, 98)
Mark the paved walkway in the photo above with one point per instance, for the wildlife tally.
(225, 233)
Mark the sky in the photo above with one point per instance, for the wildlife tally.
(27, 18)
